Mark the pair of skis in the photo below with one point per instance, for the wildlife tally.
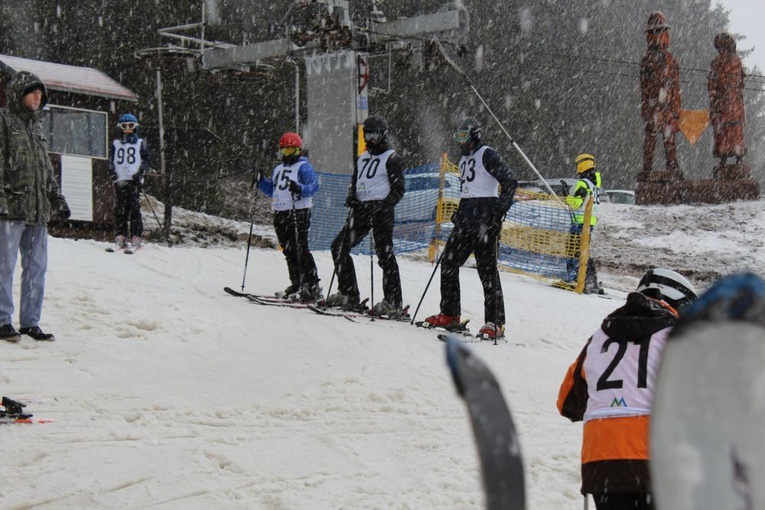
(14, 413)
(352, 315)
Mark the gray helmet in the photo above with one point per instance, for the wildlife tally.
(668, 285)
(468, 130)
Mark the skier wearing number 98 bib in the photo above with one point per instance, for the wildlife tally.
(611, 387)
(377, 185)
(128, 164)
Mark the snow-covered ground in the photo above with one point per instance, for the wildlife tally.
(168, 393)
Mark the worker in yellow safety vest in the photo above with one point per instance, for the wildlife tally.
(589, 184)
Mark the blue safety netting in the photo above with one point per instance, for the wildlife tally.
(415, 219)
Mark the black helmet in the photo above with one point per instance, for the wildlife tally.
(468, 130)
(375, 130)
(376, 123)
(668, 285)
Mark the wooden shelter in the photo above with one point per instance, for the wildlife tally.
(82, 104)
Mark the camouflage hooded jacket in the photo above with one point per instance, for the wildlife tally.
(28, 188)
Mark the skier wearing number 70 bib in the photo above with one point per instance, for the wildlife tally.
(377, 185)
(611, 387)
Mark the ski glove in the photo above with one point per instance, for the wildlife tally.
(496, 224)
(62, 208)
(351, 200)
(296, 190)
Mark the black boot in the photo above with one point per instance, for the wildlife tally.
(9, 333)
(37, 333)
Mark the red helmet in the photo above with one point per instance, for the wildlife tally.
(290, 140)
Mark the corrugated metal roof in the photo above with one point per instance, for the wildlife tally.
(64, 78)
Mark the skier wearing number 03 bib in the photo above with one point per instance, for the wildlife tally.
(128, 163)
(611, 387)
(488, 187)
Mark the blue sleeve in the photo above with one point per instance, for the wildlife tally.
(266, 185)
(307, 179)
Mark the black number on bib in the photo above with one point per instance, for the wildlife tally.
(467, 170)
(125, 154)
(282, 180)
(369, 166)
(604, 383)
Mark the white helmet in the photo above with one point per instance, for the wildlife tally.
(672, 287)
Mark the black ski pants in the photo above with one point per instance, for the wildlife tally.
(482, 242)
(378, 218)
(292, 232)
(633, 501)
(127, 209)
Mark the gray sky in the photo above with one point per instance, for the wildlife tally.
(747, 18)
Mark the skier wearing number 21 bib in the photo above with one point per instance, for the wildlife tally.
(611, 387)
(128, 163)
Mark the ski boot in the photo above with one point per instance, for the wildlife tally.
(310, 292)
(120, 243)
(442, 321)
(491, 331)
(348, 303)
(385, 309)
(13, 409)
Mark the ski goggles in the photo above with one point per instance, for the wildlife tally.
(127, 125)
(373, 136)
(461, 136)
(289, 151)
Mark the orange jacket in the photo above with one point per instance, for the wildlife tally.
(610, 387)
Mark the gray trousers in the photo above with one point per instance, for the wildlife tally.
(32, 242)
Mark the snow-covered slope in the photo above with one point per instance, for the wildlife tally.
(168, 393)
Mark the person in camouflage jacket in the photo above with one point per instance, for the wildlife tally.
(29, 196)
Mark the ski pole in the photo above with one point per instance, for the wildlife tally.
(334, 269)
(252, 222)
(496, 283)
(496, 119)
(422, 298)
(146, 197)
(247, 256)
(297, 237)
(372, 262)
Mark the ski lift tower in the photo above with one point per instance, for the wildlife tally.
(336, 53)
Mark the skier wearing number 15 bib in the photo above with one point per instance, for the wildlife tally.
(611, 387)
(291, 187)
